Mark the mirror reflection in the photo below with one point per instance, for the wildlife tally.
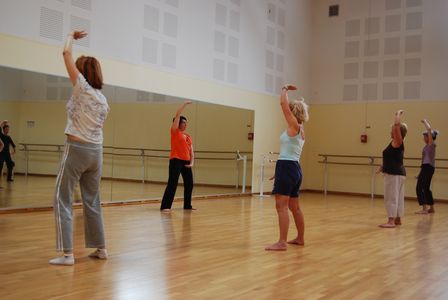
(137, 142)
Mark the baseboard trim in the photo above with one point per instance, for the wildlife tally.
(364, 195)
(14, 210)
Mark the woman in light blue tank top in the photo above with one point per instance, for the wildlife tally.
(288, 174)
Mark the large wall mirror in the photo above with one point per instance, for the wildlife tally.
(136, 142)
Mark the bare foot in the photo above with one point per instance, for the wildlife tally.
(297, 241)
(431, 211)
(387, 225)
(191, 208)
(279, 246)
(397, 221)
(166, 210)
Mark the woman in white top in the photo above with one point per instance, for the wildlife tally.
(82, 160)
(288, 173)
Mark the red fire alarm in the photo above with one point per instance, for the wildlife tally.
(364, 138)
(250, 136)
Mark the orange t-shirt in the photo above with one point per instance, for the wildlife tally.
(180, 145)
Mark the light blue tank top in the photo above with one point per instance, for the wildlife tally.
(290, 147)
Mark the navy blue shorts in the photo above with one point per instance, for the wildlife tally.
(288, 178)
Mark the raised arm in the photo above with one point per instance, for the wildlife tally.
(175, 124)
(428, 130)
(397, 139)
(70, 65)
(293, 124)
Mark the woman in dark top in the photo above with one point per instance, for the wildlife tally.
(423, 188)
(394, 173)
(5, 154)
(1, 148)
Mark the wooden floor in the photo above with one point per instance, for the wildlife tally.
(218, 252)
(38, 191)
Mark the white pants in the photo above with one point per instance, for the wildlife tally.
(394, 195)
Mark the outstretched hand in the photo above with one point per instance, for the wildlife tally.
(79, 34)
(290, 87)
(399, 112)
(186, 102)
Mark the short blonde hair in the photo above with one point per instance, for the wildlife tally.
(403, 129)
(300, 110)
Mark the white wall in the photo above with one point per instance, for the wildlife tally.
(401, 56)
(221, 40)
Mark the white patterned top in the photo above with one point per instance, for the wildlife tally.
(87, 110)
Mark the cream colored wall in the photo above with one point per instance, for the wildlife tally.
(212, 127)
(221, 128)
(47, 117)
(336, 129)
(49, 120)
(137, 125)
(8, 111)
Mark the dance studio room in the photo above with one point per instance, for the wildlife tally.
(223, 149)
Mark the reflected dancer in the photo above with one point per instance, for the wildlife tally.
(5, 154)
(181, 162)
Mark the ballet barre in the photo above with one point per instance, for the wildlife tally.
(146, 153)
(239, 158)
(266, 159)
(374, 162)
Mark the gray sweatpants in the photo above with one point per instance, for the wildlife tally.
(81, 162)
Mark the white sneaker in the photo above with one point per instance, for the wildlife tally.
(65, 260)
(99, 253)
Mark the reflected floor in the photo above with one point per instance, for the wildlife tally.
(35, 191)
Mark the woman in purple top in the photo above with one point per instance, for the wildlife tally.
(423, 188)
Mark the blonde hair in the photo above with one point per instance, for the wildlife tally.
(403, 129)
(300, 110)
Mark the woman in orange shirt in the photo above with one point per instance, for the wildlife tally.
(181, 162)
